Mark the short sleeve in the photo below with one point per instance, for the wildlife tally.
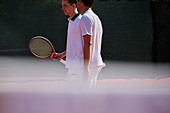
(86, 26)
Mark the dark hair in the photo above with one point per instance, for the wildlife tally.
(88, 3)
(71, 2)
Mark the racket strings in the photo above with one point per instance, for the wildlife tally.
(41, 47)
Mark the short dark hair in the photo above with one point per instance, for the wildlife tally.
(88, 3)
(71, 2)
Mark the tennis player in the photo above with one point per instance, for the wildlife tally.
(74, 49)
(91, 31)
(69, 8)
(84, 37)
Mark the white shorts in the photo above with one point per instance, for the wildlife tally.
(75, 76)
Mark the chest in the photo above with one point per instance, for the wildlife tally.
(73, 27)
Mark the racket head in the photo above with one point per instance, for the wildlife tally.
(41, 47)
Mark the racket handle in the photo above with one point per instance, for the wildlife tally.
(62, 61)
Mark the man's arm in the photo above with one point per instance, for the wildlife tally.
(87, 53)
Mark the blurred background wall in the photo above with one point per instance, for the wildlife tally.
(134, 30)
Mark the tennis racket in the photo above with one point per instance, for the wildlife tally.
(42, 48)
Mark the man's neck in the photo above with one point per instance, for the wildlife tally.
(85, 9)
(73, 14)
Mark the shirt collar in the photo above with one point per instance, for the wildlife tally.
(74, 17)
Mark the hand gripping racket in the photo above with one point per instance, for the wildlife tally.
(42, 48)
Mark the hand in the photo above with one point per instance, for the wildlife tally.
(56, 56)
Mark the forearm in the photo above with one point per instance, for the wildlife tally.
(87, 53)
(87, 50)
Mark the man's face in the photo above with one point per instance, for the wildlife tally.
(66, 7)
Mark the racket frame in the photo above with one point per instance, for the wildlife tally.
(53, 51)
(43, 38)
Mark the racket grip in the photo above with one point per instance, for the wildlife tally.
(62, 61)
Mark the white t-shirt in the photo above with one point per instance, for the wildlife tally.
(90, 24)
(74, 50)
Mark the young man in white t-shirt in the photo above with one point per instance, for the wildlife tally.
(69, 8)
(83, 58)
(91, 32)
(74, 49)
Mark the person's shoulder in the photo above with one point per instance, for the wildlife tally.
(86, 16)
(86, 19)
(89, 14)
(79, 17)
